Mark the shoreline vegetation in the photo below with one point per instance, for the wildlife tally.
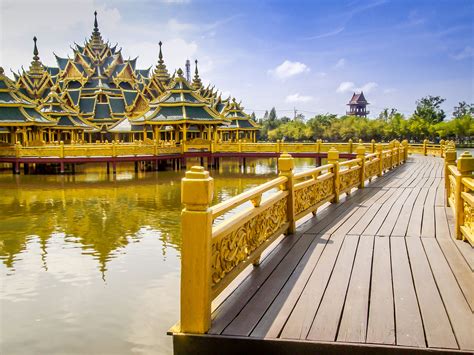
(427, 122)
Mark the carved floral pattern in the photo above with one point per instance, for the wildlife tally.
(387, 163)
(311, 195)
(469, 217)
(349, 179)
(371, 169)
(231, 249)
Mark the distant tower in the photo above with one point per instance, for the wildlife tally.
(188, 70)
(358, 105)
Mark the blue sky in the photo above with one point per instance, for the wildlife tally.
(308, 55)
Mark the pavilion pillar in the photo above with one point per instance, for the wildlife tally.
(185, 132)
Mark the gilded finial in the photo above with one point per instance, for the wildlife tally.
(96, 25)
(35, 49)
(196, 70)
(180, 72)
(160, 55)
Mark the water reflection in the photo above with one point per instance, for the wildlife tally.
(93, 259)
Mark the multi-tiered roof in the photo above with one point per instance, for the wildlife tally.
(100, 91)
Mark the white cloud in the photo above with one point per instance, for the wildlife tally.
(288, 69)
(389, 90)
(340, 64)
(467, 52)
(327, 34)
(348, 86)
(175, 25)
(298, 98)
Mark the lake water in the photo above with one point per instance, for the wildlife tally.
(90, 263)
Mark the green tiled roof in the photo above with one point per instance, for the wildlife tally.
(87, 104)
(102, 110)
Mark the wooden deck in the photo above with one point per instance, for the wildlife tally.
(377, 272)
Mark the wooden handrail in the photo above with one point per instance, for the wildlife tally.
(230, 204)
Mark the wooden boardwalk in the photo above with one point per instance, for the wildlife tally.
(377, 272)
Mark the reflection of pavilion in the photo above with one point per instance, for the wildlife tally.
(102, 217)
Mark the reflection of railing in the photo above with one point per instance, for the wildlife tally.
(460, 193)
(214, 253)
(116, 149)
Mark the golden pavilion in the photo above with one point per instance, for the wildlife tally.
(97, 95)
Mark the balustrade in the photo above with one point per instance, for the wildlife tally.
(216, 250)
(460, 192)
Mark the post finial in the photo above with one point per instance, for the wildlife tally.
(96, 25)
(35, 49)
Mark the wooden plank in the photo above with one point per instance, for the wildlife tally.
(428, 228)
(301, 318)
(464, 248)
(409, 327)
(272, 322)
(251, 313)
(442, 227)
(376, 222)
(327, 318)
(401, 225)
(381, 326)
(440, 194)
(416, 217)
(229, 309)
(389, 223)
(353, 325)
(460, 314)
(460, 268)
(439, 333)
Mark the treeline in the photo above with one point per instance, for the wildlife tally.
(427, 122)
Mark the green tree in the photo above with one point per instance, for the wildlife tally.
(429, 109)
(463, 109)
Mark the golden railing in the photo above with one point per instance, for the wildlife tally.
(215, 250)
(115, 149)
(460, 193)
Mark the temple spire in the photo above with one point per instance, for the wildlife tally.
(96, 25)
(96, 42)
(36, 68)
(197, 84)
(160, 71)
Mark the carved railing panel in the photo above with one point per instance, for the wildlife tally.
(371, 169)
(349, 178)
(231, 248)
(311, 195)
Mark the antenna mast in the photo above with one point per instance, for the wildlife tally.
(188, 70)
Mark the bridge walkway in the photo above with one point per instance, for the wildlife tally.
(379, 271)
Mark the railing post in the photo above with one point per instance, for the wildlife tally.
(318, 146)
(17, 149)
(196, 225)
(450, 159)
(61, 149)
(405, 151)
(278, 146)
(372, 142)
(441, 148)
(350, 145)
(425, 148)
(333, 158)
(360, 151)
(465, 167)
(380, 155)
(285, 167)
